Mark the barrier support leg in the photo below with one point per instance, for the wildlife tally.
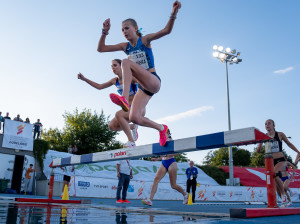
(51, 183)
(270, 179)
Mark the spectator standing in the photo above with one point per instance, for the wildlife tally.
(70, 149)
(191, 174)
(124, 173)
(27, 120)
(37, 128)
(18, 118)
(7, 117)
(75, 149)
(1, 119)
(28, 176)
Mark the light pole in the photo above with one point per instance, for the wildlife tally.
(231, 57)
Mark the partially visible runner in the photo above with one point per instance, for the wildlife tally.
(121, 120)
(168, 165)
(27, 179)
(286, 179)
(278, 156)
(140, 65)
(68, 173)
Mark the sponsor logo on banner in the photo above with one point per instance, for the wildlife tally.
(141, 189)
(118, 154)
(18, 135)
(238, 193)
(130, 188)
(165, 191)
(221, 193)
(100, 186)
(201, 194)
(83, 184)
(20, 129)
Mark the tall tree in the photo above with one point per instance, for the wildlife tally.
(220, 157)
(89, 131)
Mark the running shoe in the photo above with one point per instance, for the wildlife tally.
(289, 204)
(284, 201)
(126, 201)
(134, 132)
(163, 136)
(129, 144)
(147, 202)
(120, 101)
(119, 201)
(185, 199)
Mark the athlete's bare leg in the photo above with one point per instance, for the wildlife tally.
(173, 178)
(161, 172)
(145, 78)
(279, 167)
(123, 120)
(137, 111)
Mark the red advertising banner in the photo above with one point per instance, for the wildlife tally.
(256, 177)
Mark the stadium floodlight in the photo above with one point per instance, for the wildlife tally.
(231, 57)
(227, 50)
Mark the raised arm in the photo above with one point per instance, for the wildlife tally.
(97, 85)
(102, 47)
(284, 138)
(168, 28)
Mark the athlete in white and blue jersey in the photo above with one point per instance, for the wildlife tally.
(139, 65)
(121, 120)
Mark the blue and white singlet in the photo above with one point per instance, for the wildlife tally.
(140, 54)
(133, 88)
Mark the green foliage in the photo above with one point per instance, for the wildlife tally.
(88, 131)
(40, 149)
(257, 159)
(220, 157)
(216, 173)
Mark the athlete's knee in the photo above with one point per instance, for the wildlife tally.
(126, 62)
(119, 114)
(112, 126)
(135, 118)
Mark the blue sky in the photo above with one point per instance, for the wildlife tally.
(44, 44)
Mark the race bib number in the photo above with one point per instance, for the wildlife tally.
(140, 58)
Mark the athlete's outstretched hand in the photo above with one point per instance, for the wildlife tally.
(176, 7)
(80, 76)
(106, 25)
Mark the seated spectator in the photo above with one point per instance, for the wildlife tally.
(70, 149)
(27, 120)
(37, 128)
(75, 149)
(18, 118)
(1, 119)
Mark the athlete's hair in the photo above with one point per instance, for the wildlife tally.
(118, 60)
(133, 23)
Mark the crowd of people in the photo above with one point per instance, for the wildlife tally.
(37, 126)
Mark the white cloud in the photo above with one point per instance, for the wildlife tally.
(283, 71)
(183, 115)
